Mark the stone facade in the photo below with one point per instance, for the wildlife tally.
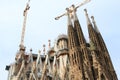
(71, 57)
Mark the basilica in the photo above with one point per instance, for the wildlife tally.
(71, 57)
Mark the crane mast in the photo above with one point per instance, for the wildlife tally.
(20, 55)
(24, 24)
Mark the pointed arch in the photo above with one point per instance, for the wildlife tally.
(102, 77)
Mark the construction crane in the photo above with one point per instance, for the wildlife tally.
(71, 9)
(20, 56)
(24, 24)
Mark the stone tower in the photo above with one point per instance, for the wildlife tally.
(75, 58)
(62, 56)
(80, 67)
(91, 60)
(102, 66)
(105, 51)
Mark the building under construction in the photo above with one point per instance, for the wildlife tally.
(71, 57)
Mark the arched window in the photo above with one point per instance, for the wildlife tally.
(102, 77)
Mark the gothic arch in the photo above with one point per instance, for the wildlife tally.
(102, 77)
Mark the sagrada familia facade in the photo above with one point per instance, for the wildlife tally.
(71, 57)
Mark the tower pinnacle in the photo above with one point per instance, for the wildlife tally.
(94, 23)
(87, 18)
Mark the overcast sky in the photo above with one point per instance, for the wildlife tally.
(41, 26)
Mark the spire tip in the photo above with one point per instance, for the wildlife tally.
(85, 10)
(92, 17)
(39, 51)
(31, 50)
(67, 9)
(73, 5)
(87, 17)
(95, 26)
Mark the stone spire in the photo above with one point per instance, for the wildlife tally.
(92, 33)
(84, 56)
(76, 68)
(105, 52)
(94, 23)
(77, 28)
(98, 34)
(87, 17)
(97, 39)
(71, 35)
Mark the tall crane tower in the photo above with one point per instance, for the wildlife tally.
(71, 9)
(20, 55)
(24, 25)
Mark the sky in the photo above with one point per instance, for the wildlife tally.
(41, 26)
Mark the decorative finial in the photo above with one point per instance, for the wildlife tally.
(31, 50)
(73, 5)
(85, 10)
(87, 17)
(39, 51)
(94, 23)
(49, 45)
(92, 17)
(67, 9)
(44, 49)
